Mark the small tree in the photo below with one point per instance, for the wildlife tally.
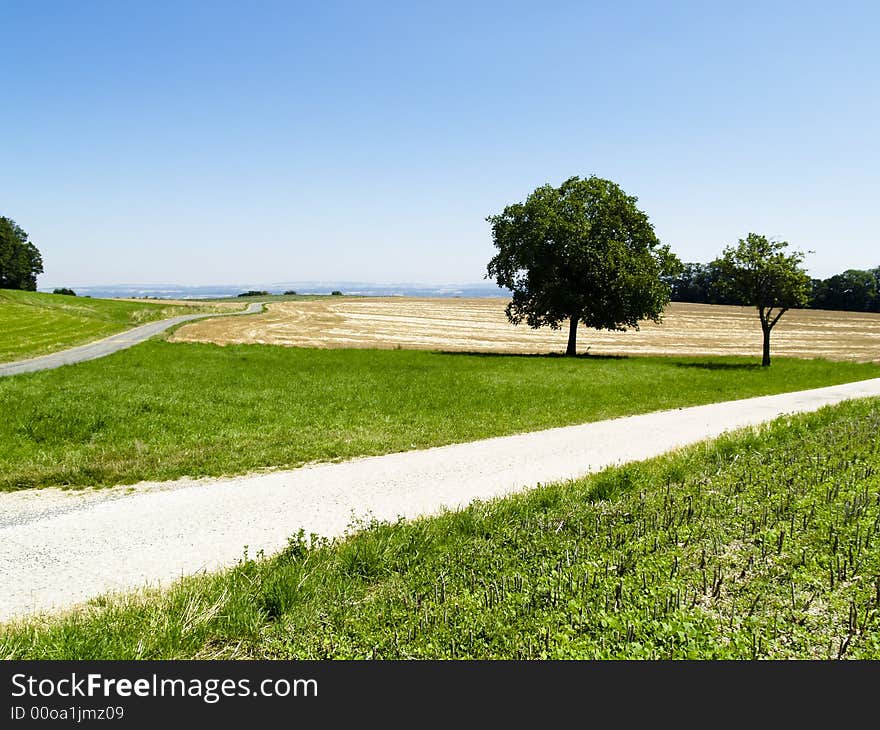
(64, 290)
(582, 252)
(759, 273)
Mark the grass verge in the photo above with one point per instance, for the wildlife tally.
(761, 544)
(161, 410)
(34, 323)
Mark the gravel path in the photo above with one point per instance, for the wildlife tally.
(60, 548)
(109, 345)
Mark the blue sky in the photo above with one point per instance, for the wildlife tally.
(173, 142)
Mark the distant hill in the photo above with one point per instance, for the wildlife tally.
(302, 287)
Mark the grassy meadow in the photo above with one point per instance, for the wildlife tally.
(162, 410)
(761, 544)
(33, 324)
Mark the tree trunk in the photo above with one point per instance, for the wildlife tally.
(572, 336)
(765, 362)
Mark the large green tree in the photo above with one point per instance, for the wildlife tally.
(581, 252)
(20, 261)
(760, 273)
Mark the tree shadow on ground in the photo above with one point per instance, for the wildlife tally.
(720, 365)
(539, 355)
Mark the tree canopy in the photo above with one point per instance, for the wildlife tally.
(20, 261)
(581, 252)
(854, 290)
(702, 284)
(759, 272)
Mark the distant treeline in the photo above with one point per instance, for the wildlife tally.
(853, 290)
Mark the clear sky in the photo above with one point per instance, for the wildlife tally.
(210, 142)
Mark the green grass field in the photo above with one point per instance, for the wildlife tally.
(764, 544)
(162, 410)
(32, 323)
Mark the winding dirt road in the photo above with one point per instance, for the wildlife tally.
(109, 345)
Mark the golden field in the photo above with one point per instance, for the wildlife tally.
(480, 325)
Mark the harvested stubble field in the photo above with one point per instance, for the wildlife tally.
(479, 325)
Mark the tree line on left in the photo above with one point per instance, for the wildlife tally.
(20, 260)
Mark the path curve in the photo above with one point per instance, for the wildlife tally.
(61, 548)
(109, 345)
